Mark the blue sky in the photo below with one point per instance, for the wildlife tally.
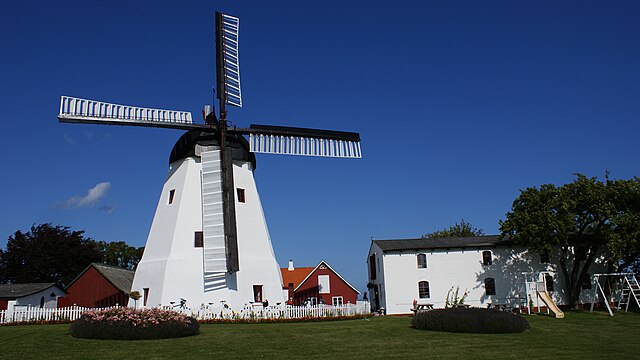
(460, 104)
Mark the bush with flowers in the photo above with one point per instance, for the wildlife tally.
(125, 323)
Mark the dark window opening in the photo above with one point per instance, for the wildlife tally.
(422, 261)
(423, 289)
(146, 296)
(544, 257)
(372, 267)
(548, 279)
(486, 258)
(257, 293)
(240, 195)
(41, 302)
(198, 239)
(586, 283)
(489, 286)
(172, 193)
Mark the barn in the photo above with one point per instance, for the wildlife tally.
(316, 285)
(99, 286)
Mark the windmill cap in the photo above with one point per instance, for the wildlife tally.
(186, 146)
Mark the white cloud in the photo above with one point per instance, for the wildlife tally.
(68, 139)
(109, 209)
(93, 196)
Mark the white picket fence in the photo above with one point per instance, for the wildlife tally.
(249, 312)
(35, 314)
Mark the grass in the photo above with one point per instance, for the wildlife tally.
(579, 334)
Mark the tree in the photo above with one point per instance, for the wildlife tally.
(120, 254)
(461, 229)
(585, 220)
(46, 253)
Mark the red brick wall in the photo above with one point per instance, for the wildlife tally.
(92, 290)
(337, 287)
(4, 304)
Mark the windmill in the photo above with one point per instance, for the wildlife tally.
(208, 241)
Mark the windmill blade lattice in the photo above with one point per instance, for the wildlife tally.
(77, 110)
(270, 139)
(228, 28)
(306, 146)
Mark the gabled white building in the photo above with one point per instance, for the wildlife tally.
(494, 271)
(42, 295)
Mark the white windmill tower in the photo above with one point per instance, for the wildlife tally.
(209, 240)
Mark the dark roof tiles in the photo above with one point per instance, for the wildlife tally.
(441, 243)
(14, 291)
(122, 279)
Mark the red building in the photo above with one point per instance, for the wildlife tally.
(99, 286)
(317, 285)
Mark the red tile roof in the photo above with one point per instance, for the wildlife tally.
(294, 276)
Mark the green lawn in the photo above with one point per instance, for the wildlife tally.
(578, 335)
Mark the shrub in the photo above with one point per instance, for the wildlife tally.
(133, 324)
(470, 320)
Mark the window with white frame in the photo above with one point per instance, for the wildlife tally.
(486, 257)
(337, 301)
(422, 261)
(423, 290)
(489, 286)
(172, 194)
(323, 284)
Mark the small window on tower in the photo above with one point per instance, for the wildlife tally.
(172, 193)
(198, 239)
(257, 293)
(240, 195)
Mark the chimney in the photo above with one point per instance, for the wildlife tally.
(291, 268)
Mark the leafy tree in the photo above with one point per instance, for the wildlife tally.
(624, 244)
(584, 219)
(120, 254)
(459, 229)
(46, 253)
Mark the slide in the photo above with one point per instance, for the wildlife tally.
(546, 299)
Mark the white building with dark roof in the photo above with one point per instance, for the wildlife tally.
(43, 295)
(491, 269)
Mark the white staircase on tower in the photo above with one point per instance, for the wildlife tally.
(215, 260)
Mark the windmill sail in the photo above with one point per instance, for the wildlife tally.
(299, 141)
(76, 110)
(228, 62)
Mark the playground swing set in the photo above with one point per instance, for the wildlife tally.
(623, 289)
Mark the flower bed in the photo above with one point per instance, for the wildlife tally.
(471, 320)
(133, 324)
